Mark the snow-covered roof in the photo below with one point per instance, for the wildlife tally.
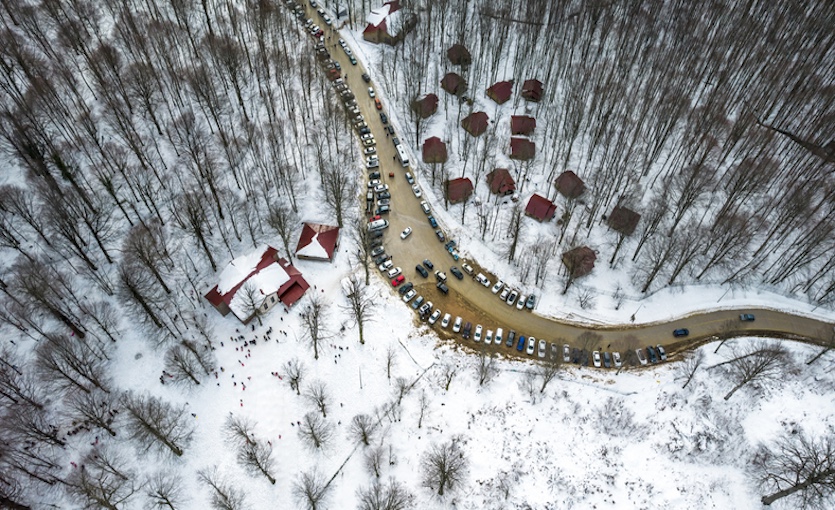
(238, 270)
(265, 282)
(314, 249)
(377, 16)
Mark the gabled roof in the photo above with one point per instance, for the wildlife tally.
(475, 123)
(317, 242)
(522, 149)
(425, 106)
(459, 190)
(453, 83)
(500, 91)
(434, 150)
(501, 182)
(579, 261)
(383, 18)
(623, 220)
(540, 208)
(532, 90)
(569, 185)
(522, 124)
(459, 55)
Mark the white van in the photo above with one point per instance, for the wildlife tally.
(378, 225)
(480, 278)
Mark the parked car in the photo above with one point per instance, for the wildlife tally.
(442, 287)
(575, 356)
(497, 287)
(681, 332)
(480, 278)
(416, 191)
(531, 301)
(425, 207)
(377, 104)
(422, 270)
(384, 195)
(369, 142)
(406, 287)
(367, 137)
(488, 338)
(477, 335)
(385, 266)
(653, 358)
(440, 276)
(366, 78)
(520, 345)
(607, 360)
(511, 299)
(406, 233)
(467, 329)
(521, 303)
(381, 188)
(352, 60)
(409, 178)
(499, 332)
(503, 295)
(456, 326)
(383, 209)
(511, 337)
(555, 352)
(531, 346)
(371, 92)
(747, 317)
(373, 183)
(616, 359)
(398, 280)
(425, 308)
(467, 268)
(445, 320)
(434, 317)
(428, 263)
(661, 352)
(432, 221)
(382, 258)
(456, 272)
(417, 302)
(566, 353)
(542, 347)
(394, 272)
(440, 235)
(384, 118)
(376, 252)
(642, 358)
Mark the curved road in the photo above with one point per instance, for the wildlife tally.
(475, 303)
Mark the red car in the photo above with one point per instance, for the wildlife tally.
(375, 218)
(378, 104)
(398, 280)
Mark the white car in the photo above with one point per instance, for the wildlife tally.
(466, 267)
(566, 353)
(542, 347)
(385, 266)
(369, 143)
(477, 335)
(373, 183)
(456, 326)
(445, 320)
(497, 287)
(409, 295)
(406, 233)
(416, 191)
(434, 317)
(385, 187)
(595, 356)
(425, 207)
(367, 136)
(372, 163)
(370, 150)
(371, 92)
(480, 278)
(488, 339)
(521, 303)
(503, 295)
(531, 345)
(512, 297)
(616, 359)
(394, 271)
(642, 359)
(499, 336)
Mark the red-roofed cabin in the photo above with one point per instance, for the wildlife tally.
(317, 242)
(388, 24)
(434, 150)
(501, 182)
(454, 84)
(522, 125)
(475, 123)
(522, 149)
(569, 185)
(500, 91)
(532, 90)
(425, 106)
(459, 55)
(540, 208)
(256, 282)
(459, 190)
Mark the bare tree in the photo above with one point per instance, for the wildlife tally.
(224, 495)
(423, 407)
(760, 362)
(146, 247)
(447, 373)
(687, 368)
(315, 431)
(359, 303)
(103, 480)
(251, 298)
(486, 368)
(152, 421)
(362, 429)
(390, 359)
(96, 408)
(16, 383)
(547, 370)
(338, 185)
(191, 216)
(318, 395)
(362, 238)
(283, 220)
(313, 321)
(389, 496)
(311, 490)
(164, 490)
(294, 371)
(444, 466)
(71, 364)
(375, 459)
(799, 468)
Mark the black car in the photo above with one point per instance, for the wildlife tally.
(389, 130)
(575, 356)
(374, 175)
(364, 131)
(395, 141)
(406, 287)
(607, 360)
(422, 270)
(440, 234)
(457, 272)
(681, 332)
(511, 337)
(428, 263)
(468, 327)
(747, 317)
(366, 78)
(382, 258)
(375, 243)
(375, 235)
(442, 287)
(383, 118)
(383, 195)
(383, 209)
(653, 357)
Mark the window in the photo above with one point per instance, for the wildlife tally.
(266, 305)
(272, 299)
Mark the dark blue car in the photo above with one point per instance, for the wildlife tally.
(432, 221)
(521, 345)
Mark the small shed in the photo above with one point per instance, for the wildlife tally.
(569, 185)
(579, 261)
(623, 220)
(425, 106)
(459, 190)
(501, 182)
(475, 123)
(540, 208)
(318, 242)
(522, 125)
(454, 84)
(434, 150)
(532, 90)
(500, 91)
(459, 55)
(522, 149)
